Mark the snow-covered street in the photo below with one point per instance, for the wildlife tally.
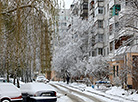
(80, 93)
(69, 50)
(74, 95)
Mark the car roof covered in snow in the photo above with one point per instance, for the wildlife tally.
(9, 89)
(32, 88)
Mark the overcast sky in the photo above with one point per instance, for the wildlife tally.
(68, 3)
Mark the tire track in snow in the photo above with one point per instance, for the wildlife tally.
(68, 94)
(84, 97)
(115, 98)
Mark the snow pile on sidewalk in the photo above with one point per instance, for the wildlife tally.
(114, 91)
(118, 91)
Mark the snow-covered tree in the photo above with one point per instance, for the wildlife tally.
(98, 67)
(69, 55)
(128, 14)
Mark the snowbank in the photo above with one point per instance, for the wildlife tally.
(118, 91)
(112, 93)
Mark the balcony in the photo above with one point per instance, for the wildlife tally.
(98, 31)
(98, 17)
(91, 12)
(111, 37)
(83, 1)
(99, 4)
(98, 45)
(99, 1)
(85, 7)
(113, 2)
(125, 32)
(83, 11)
(113, 19)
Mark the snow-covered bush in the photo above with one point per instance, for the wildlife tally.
(98, 67)
(117, 81)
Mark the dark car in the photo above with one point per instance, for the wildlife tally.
(38, 92)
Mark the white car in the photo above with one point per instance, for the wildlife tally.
(9, 93)
(38, 92)
(42, 79)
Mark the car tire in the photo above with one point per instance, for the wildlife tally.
(5, 100)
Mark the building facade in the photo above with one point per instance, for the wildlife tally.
(80, 8)
(111, 34)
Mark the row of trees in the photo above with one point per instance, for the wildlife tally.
(26, 29)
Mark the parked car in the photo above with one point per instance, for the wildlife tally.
(38, 92)
(11, 80)
(103, 84)
(42, 79)
(4, 80)
(9, 93)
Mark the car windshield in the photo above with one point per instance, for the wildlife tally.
(41, 77)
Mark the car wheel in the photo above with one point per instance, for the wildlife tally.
(5, 100)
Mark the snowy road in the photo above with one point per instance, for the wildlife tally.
(80, 93)
(66, 94)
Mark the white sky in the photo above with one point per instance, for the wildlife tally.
(68, 3)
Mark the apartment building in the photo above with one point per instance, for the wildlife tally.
(84, 9)
(110, 38)
(98, 16)
(64, 15)
(80, 8)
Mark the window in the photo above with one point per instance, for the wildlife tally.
(100, 51)
(117, 25)
(100, 10)
(114, 71)
(100, 23)
(100, 0)
(107, 7)
(104, 52)
(63, 24)
(99, 38)
(126, 2)
(117, 70)
(111, 29)
(85, 6)
(93, 53)
(111, 46)
(108, 51)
